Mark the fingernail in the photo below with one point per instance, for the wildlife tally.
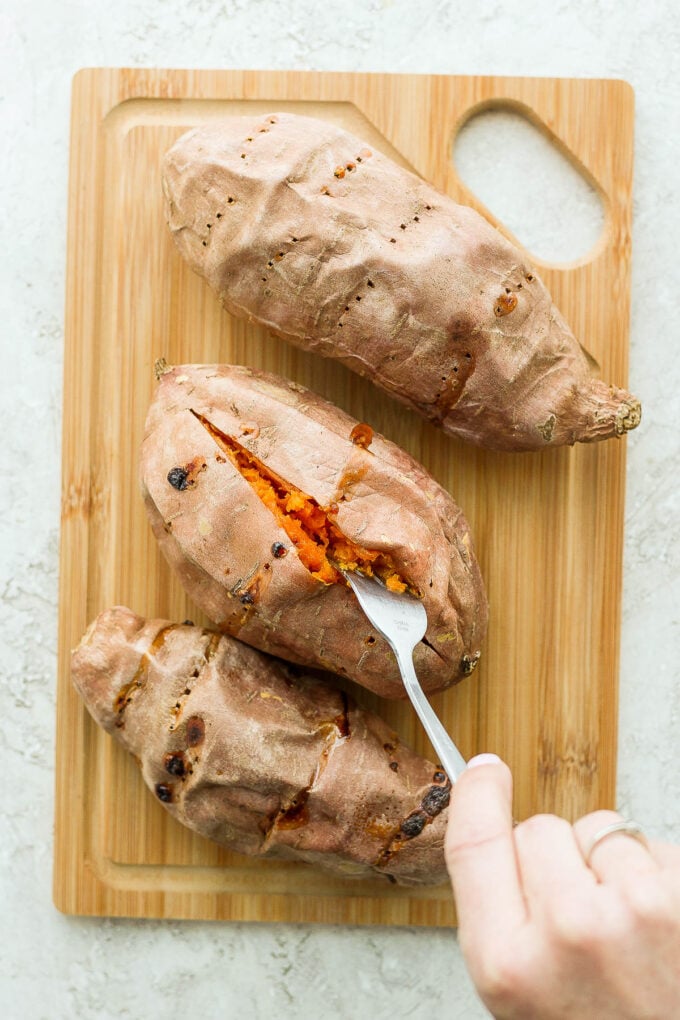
(483, 759)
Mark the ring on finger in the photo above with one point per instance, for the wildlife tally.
(626, 828)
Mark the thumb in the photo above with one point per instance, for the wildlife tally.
(481, 804)
(480, 851)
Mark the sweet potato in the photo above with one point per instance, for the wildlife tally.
(303, 228)
(266, 762)
(257, 490)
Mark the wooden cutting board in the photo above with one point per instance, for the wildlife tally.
(548, 527)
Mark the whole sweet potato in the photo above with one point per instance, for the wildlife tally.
(301, 227)
(266, 762)
(258, 490)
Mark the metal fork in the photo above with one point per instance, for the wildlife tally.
(402, 621)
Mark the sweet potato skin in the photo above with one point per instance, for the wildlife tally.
(225, 544)
(300, 227)
(269, 763)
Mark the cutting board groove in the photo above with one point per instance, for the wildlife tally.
(547, 527)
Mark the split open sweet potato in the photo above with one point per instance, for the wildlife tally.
(305, 229)
(259, 491)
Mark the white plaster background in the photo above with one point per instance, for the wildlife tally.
(53, 966)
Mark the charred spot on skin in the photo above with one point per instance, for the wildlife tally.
(195, 731)
(370, 640)
(164, 792)
(394, 765)
(247, 599)
(184, 477)
(278, 550)
(177, 477)
(413, 825)
(390, 748)
(175, 764)
(505, 304)
(361, 435)
(435, 800)
(468, 663)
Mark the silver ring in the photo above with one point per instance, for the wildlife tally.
(627, 828)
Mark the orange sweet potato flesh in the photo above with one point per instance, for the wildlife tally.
(301, 227)
(321, 546)
(258, 490)
(259, 757)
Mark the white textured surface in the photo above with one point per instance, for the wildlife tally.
(51, 966)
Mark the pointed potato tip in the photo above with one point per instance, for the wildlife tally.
(628, 416)
(607, 412)
(161, 368)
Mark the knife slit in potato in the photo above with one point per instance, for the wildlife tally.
(127, 692)
(321, 545)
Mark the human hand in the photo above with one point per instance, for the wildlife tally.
(547, 936)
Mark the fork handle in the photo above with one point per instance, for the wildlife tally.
(450, 757)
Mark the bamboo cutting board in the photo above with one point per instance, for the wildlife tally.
(547, 527)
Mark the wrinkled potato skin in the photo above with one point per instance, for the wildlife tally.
(219, 536)
(266, 762)
(302, 228)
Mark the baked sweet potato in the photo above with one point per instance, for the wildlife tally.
(303, 228)
(258, 489)
(266, 762)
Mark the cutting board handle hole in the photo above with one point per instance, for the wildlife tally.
(531, 185)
